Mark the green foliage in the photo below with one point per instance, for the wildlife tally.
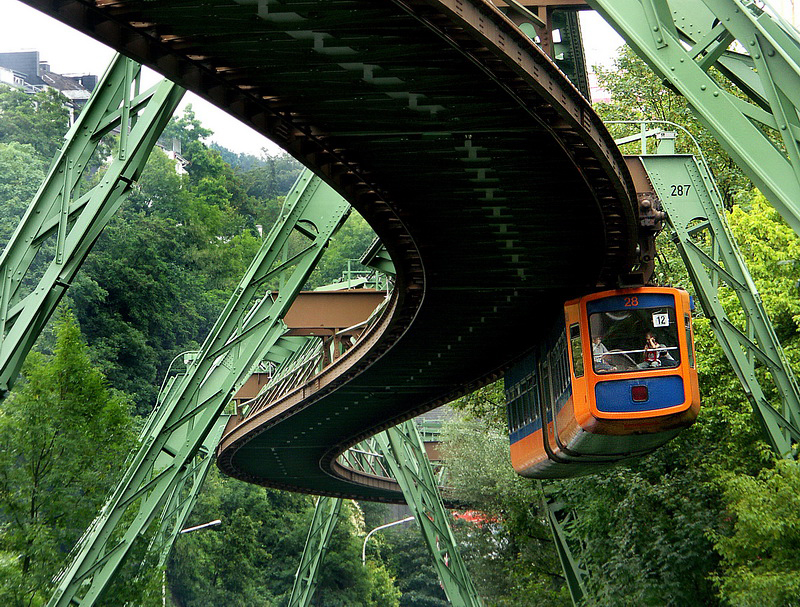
(412, 566)
(21, 173)
(348, 245)
(760, 557)
(522, 568)
(63, 438)
(39, 120)
(252, 557)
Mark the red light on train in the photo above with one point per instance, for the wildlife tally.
(639, 394)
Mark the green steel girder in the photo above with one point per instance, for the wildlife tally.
(326, 515)
(405, 456)
(697, 217)
(248, 328)
(180, 503)
(560, 520)
(681, 40)
(377, 456)
(712, 259)
(70, 225)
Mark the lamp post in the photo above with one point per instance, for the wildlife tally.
(213, 523)
(369, 535)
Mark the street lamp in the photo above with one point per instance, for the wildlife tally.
(203, 526)
(213, 523)
(369, 535)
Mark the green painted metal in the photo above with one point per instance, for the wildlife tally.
(713, 260)
(568, 51)
(378, 258)
(64, 224)
(371, 458)
(248, 328)
(682, 40)
(181, 501)
(405, 456)
(326, 515)
(560, 519)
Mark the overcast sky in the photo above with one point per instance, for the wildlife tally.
(69, 52)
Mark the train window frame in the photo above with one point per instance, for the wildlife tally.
(576, 349)
(687, 321)
(648, 320)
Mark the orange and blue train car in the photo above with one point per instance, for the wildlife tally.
(614, 379)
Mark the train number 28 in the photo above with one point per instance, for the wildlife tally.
(631, 302)
(681, 190)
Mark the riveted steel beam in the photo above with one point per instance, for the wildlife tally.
(249, 326)
(405, 456)
(64, 225)
(713, 261)
(756, 51)
(326, 515)
(560, 519)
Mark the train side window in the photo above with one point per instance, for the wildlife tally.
(576, 345)
(689, 344)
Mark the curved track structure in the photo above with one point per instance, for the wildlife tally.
(492, 183)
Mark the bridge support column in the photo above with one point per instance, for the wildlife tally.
(559, 519)
(681, 40)
(405, 456)
(248, 328)
(326, 515)
(69, 224)
(712, 259)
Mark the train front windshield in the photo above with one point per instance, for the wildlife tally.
(634, 339)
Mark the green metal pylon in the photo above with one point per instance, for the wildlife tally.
(71, 224)
(181, 501)
(698, 215)
(248, 328)
(681, 40)
(326, 515)
(560, 518)
(405, 455)
(398, 451)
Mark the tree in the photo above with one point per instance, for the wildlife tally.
(510, 551)
(410, 563)
(760, 556)
(252, 557)
(40, 120)
(63, 438)
(21, 173)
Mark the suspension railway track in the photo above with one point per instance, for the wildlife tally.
(494, 186)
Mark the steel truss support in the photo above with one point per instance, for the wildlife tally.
(405, 456)
(681, 40)
(248, 328)
(419, 483)
(713, 259)
(326, 515)
(181, 500)
(63, 224)
(560, 519)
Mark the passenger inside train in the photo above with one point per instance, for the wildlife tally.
(635, 339)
